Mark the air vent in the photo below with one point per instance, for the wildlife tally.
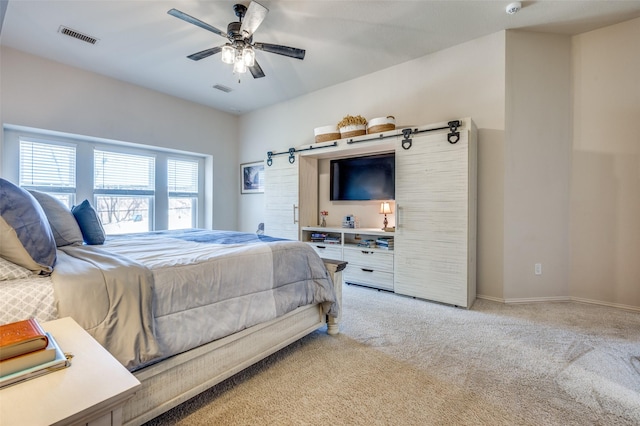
(75, 34)
(222, 88)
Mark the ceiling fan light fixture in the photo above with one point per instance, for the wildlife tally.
(248, 56)
(239, 67)
(228, 54)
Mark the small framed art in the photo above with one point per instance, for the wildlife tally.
(252, 177)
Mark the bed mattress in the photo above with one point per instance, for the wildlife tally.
(192, 287)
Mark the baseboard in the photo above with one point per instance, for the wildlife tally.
(559, 299)
(538, 299)
(491, 298)
(611, 305)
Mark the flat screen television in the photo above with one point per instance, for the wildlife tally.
(363, 178)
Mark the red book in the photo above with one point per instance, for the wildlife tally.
(21, 337)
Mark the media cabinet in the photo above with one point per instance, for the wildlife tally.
(370, 266)
(434, 255)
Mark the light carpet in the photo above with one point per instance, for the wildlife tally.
(402, 361)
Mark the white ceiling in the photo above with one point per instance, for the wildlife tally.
(141, 44)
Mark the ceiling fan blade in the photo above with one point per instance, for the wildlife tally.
(195, 21)
(252, 19)
(291, 52)
(256, 70)
(205, 53)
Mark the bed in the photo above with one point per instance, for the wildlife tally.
(182, 310)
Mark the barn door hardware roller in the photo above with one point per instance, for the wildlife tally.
(453, 136)
(292, 153)
(271, 154)
(407, 141)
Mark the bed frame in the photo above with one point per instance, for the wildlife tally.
(176, 379)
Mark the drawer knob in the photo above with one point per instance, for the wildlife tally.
(367, 270)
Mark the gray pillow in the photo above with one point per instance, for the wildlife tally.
(90, 224)
(26, 238)
(65, 229)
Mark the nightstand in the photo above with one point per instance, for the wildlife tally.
(92, 391)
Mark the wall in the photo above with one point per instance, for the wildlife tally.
(605, 180)
(40, 93)
(463, 81)
(537, 165)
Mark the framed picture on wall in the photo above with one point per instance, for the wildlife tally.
(252, 177)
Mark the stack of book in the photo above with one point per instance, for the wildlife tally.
(329, 239)
(385, 243)
(367, 243)
(318, 237)
(27, 351)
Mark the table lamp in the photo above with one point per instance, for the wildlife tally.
(385, 209)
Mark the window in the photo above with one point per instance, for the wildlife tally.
(124, 190)
(133, 187)
(182, 184)
(49, 167)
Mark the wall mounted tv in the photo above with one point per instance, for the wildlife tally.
(363, 178)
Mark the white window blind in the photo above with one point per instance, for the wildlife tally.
(117, 172)
(182, 184)
(47, 166)
(182, 177)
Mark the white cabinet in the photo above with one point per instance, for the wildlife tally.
(435, 238)
(370, 266)
(435, 221)
(291, 198)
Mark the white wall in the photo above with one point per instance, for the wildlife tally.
(537, 165)
(43, 94)
(463, 81)
(605, 180)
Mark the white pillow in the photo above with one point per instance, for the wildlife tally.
(64, 226)
(11, 271)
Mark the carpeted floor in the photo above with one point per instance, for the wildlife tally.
(401, 361)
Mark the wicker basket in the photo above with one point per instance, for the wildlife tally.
(381, 124)
(326, 133)
(353, 130)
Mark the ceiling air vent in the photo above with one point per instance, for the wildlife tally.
(75, 34)
(222, 88)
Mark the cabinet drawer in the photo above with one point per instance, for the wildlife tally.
(373, 259)
(369, 277)
(328, 251)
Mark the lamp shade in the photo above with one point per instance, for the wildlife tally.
(248, 56)
(239, 66)
(385, 208)
(228, 54)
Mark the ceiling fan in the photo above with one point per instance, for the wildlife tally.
(239, 51)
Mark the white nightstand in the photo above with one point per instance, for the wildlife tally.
(91, 391)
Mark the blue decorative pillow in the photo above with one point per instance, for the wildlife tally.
(90, 224)
(65, 229)
(25, 236)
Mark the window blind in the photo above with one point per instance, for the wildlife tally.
(47, 166)
(118, 172)
(182, 177)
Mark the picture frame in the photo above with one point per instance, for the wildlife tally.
(252, 177)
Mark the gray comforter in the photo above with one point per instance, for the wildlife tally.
(151, 296)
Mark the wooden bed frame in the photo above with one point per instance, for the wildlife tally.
(176, 379)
